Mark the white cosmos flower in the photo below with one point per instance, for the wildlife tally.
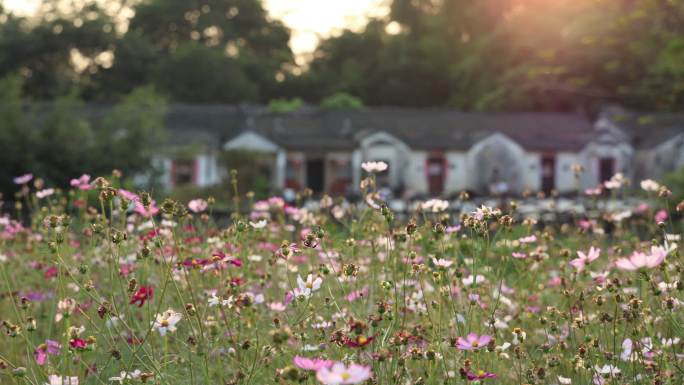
(649, 185)
(469, 280)
(307, 288)
(374, 166)
(59, 380)
(126, 376)
(259, 224)
(607, 369)
(564, 380)
(435, 205)
(166, 322)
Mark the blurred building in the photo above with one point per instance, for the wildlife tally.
(429, 151)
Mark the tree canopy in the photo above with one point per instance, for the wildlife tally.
(473, 55)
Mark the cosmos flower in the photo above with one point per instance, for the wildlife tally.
(143, 294)
(442, 262)
(82, 183)
(123, 376)
(339, 374)
(473, 341)
(435, 205)
(54, 379)
(640, 260)
(479, 375)
(313, 364)
(23, 179)
(649, 185)
(307, 288)
(374, 166)
(358, 342)
(469, 280)
(660, 216)
(259, 224)
(584, 259)
(198, 205)
(45, 193)
(49, 347)
(166, 322)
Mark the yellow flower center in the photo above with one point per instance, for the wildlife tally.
(165, 323)
(362, 339)
(480, 373)
(475, 344)
(345, 376)
(309, 285)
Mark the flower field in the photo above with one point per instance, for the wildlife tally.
(101, 285)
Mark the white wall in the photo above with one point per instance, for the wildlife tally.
(207, 169)
(565, 177)
(457, 178)
(414, 173)
(593, 152)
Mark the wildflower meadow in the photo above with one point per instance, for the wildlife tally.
(103, 285)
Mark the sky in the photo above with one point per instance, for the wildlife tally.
(308, 19)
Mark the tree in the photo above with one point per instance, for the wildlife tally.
(65, 150)
(200, 74)
(245, 50)
(18, 140)
(131, 133)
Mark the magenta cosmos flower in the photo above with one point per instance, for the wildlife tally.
(312, 363)
(339, 374)
(479, 375)
(42, 351)
(473, 341)
(640, 260)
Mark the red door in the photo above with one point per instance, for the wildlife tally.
(436, 173)
(548, 173)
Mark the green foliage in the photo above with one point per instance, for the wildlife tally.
(675, 182)
(61, 140)
(473, 55)
(67, 142)
(18, 141)
(132, 131)
(213, 78)
(253, 170)
(285, 105)
(342, 101)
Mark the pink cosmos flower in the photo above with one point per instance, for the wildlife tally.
(584, 259)
(661, 216)
(42, 351)
(529, 239)
(198, 205)
(82, 183)
(640, 260)
(313, 364)
(150, 211)
(354, 295)
(23, 179)
(519, 255)
(472, 341)
(339, 374)
(442, 262)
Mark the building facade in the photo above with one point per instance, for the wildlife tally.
(430, 152)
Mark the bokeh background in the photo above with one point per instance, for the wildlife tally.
(75, 72)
